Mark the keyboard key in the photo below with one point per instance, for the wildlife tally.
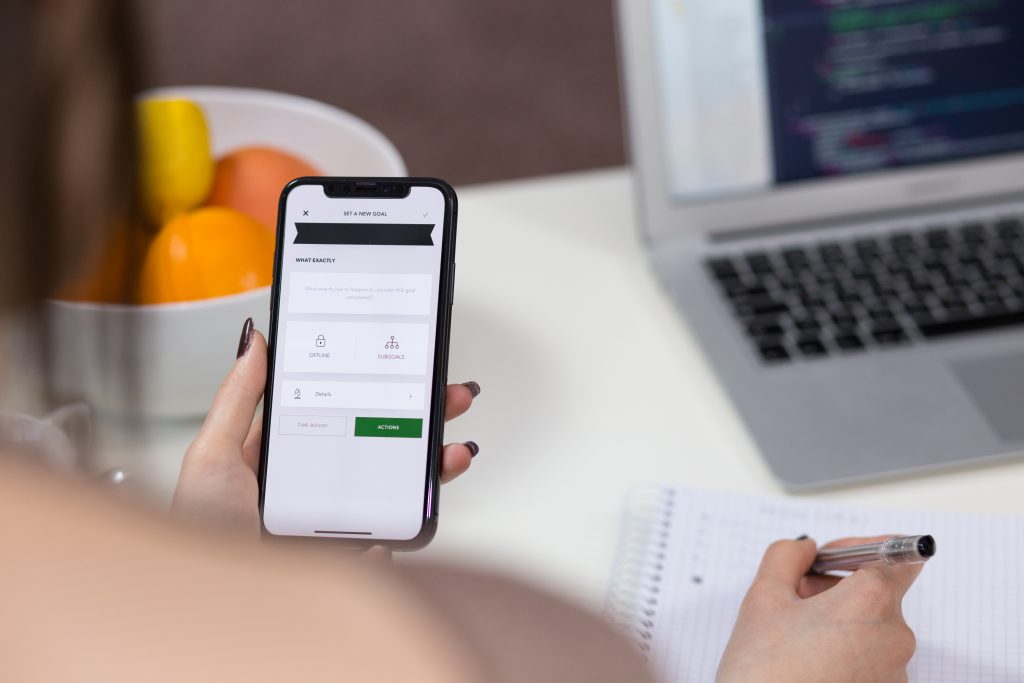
(831, 253)
(772, 329)
(759, 262)
(902, 242)
(897, 267)
(811, 346)
(806, 324)
(849, 342)
(888, 334)
(734, 289)
(956, 324)
(881, 313)
(844, 319)
(937, 238)
(754, 291)
(773, 352)
(916, 307)
(862, 273)
(973, 233)
(932, 261)
(761, 305)
(825, 278)
(795, 258)
(787, 280)
(1010, 229)
(867, 248)
(968, 258)
(990, 299)
(723, 268)
(847, 296)
(811, 301)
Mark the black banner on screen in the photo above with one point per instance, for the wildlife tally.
(386, 234)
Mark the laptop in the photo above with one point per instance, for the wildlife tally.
(833, 194)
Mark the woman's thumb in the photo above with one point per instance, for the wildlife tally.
(786, 562)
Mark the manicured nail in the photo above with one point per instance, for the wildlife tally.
(246, 339)
(473, 448)
(802, 537)
(473, 387)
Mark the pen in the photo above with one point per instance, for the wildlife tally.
(891, 551)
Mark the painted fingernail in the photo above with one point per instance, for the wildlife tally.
(473, 448)
(246, 339)
(473, 387)
(802, 537)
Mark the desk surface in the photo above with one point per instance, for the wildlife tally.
(592, 383)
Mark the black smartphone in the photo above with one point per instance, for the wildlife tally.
(360, 312)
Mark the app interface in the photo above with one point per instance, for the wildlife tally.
(357, 322)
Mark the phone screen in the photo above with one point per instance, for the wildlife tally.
(354, 364)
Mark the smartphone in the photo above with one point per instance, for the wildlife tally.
(360, 313)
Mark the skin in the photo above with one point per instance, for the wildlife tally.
(798, 627)
(93, 588)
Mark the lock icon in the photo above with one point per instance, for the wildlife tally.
(321, 341)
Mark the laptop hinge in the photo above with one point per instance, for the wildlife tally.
(773, 230)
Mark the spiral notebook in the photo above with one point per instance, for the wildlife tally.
(687, 556)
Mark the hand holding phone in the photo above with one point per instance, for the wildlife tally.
(358, 356)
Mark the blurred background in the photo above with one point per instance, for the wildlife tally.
(468, 90)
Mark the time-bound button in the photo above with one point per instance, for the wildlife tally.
(313, 425)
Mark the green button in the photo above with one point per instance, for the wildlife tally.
(395, 427)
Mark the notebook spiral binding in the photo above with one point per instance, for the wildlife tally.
(634, 591)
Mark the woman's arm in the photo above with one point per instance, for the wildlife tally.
(94, 589)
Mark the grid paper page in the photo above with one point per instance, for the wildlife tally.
(966, 607)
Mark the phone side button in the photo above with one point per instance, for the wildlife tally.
(451, 285)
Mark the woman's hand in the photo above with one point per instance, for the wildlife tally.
(218, 484)
(796, 627)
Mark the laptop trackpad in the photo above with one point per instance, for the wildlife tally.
(997, 385)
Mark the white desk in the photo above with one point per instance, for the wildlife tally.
(591, 383)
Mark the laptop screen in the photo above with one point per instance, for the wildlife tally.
(757, 94)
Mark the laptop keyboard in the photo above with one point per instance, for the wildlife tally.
(877, 292)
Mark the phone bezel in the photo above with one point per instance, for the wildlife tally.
(435, 435)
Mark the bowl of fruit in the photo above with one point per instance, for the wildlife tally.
(150, 329)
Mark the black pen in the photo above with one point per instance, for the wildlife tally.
(892, 551)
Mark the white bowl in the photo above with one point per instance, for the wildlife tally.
(167, 360)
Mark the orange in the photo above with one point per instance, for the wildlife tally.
(250, 179)
(212, 251)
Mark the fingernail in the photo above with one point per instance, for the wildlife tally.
(473, 448)
(802, 537)
(473, 387)
(246, 339)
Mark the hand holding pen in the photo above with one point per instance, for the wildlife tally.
(798, 625)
